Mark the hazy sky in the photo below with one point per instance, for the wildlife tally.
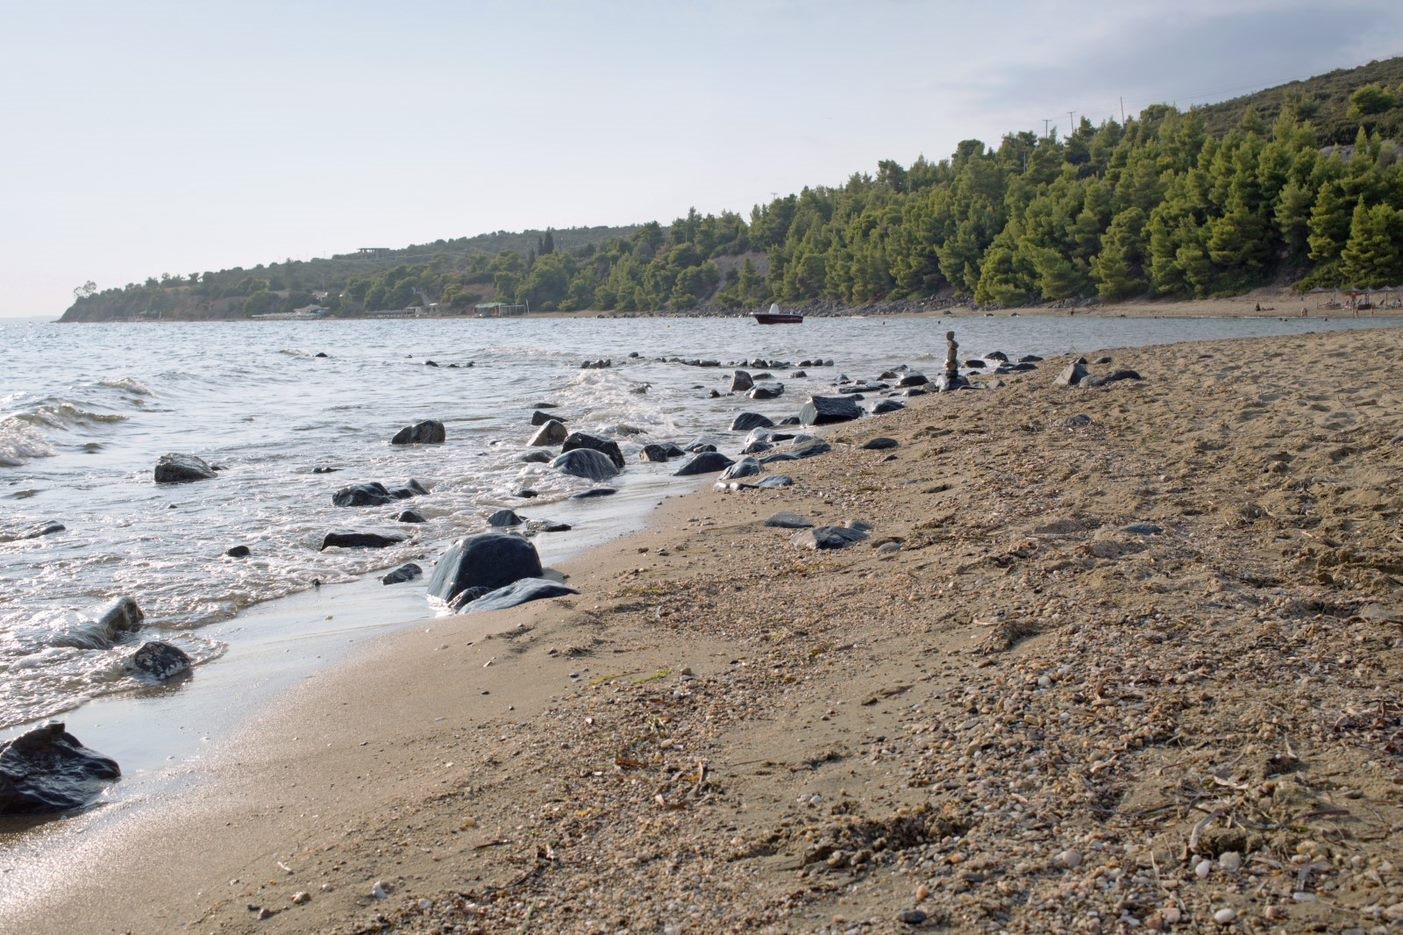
(145, 137)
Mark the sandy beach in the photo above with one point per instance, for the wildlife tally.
(1107, 659)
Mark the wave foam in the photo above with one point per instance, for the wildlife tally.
(20, 442)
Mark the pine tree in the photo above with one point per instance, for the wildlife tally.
(1370, 257)
(1118, 269)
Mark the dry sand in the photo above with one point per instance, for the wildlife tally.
(1111, 658)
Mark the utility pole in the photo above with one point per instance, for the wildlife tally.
(1071, 122)
(1122, 110)
(1046, 121)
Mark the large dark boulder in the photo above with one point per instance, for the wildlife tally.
(577, 440)
(519, 592)
(101, 632)
(158, 661)
(705, 463)
(505, 518)
(49, 770)
(766, 391)
(745, 467)
(359, 540)
(746, 421)
(886, 406)
(825, 410)
(489, 560)
(428, 432)
(741, 381)
(913, 379)
(587, 463)
(182, 469)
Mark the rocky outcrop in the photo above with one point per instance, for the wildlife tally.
(49, 770)
(488, 560)
(428, 432)
(182, 469)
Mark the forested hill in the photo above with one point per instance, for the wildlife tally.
(1216, 200)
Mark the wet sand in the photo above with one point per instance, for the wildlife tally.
(1113, 657)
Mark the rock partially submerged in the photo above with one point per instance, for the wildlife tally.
(488, 560)
(705, 463)
(120, 617)
(825, 410)
(376, 494)
(359, 540)
(177, 468)
(587, 463)
(406, 572)
(551, 433)
(158, 661)
(428, 432)
(577, 440)
(49, 770)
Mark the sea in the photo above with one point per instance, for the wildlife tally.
(292, 411)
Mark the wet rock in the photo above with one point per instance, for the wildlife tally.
(541, 418)
(746, 421)
(593, 492)
(948, 383)
(375, 494)
(535, 457)
(520, 592)
(741, 381)
(705, 463)
(119, 617)
(406, 572)
(410, 516)
(698, 445)
(913, 379)
(766, 391)
(490, 560)
(825, 410)
(1030, 359)
(552, 432)
(238, 551)
(587, 463)
(182, 469)
(158, 661)
(465, 597)
(1000, 356)
(880, 444)
(660, 453)
(359, 540)
(48, 770)
(886, 406)
(35, 532)
(526, 493)
(428, 432)
(504, 518)
(582, 440)
(745, 467)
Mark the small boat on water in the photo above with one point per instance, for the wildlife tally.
(775, 317)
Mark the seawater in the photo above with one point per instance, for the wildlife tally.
(86, 411)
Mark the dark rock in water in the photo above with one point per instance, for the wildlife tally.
(541, 418)
(324, 469)
(787, 420)
(828, 537)
(886, 406)
(410, 516)
(746, 421)
(535, 457)
(489, 560)
(412, 488)
(698, 445)
(1030, 359)
(552, 432)
(741, 381)
(321, 354)
(100, 632)
(913, 379)
(182, 469)
(660, 453)
(358, 540)
(1019, 367)
(1073, 373)
(705, 463)
(407, 572)
(880, 444)
(546, 405)
(577, 440)
(371, 494)
(766, 391)
(586, 463)
(35, 532)
(788, 521)
(593, 492)
(526, 493)
(504, 518)
(997, 355)
(545, 525)
(48, 770)
(1110, 378)
(976, 364)
(429, 432)
(797, 375)
(745, 467)
(756, 447)
(158, 661)
(430, 363)
(238, 551)
(465, 597)
(776, 482)
(520, 592)
(856, 389)
(825, 410)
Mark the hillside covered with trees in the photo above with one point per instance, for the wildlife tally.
(1272, 188)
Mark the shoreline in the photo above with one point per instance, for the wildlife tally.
(718, 705)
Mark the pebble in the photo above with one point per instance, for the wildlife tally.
(1225, 916)
(379, 891)
(1171, 915)
(265, 913)
(912, 917)
(1203, 868)
(1394, 913)
(1069, 859)
(301, 897)
(1231, 861)
(922, 892)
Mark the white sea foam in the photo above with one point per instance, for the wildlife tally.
(21, 442)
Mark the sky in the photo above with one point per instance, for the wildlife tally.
(142, 137)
